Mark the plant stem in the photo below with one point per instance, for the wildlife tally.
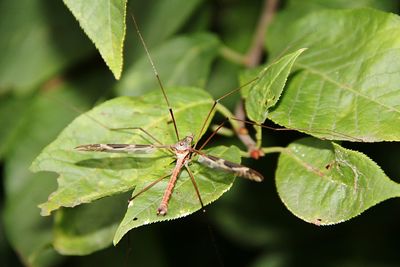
(274, 149)
(232, 55)
(266, 150)
(228, 114)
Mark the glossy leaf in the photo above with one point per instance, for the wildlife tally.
(346, 87)
(211, 183)
(182, 61)
(295, 10)
(324, 183)
(104, 23)
(100, 174)
(265, 92)
(85, 177)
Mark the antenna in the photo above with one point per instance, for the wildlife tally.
(157, 76)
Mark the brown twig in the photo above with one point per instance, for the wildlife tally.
(252, 59)
(243, 134)
(253, 56)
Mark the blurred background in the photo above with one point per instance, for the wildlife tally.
(50, 72)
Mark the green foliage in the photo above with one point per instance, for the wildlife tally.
(265, 92)
(344, 87)
(175, 57)
(104, 22)
(29, 233)
(41, 33)
(347, 81)
(324, 183)
(98, 175)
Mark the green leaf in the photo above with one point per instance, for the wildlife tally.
(324, 183)
(85, 229)
(85, 177)
(104, 23)
(295, 10)
(38, 43)
(212, 184)
(347, 84)
(265, 92)
(182, 61)
(98, 175)
(312, 5)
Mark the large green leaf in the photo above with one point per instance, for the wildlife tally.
(104, 22)
(346, 87)
(85, 177)
(295, 10)
(324, 183)
(312, 5)
(38, 41)
(265, 92)
(182, 61)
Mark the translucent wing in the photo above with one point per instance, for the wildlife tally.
(120, 148)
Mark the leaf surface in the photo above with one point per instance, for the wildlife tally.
(104, 23)
(324, 183)
(346, 87)
(87, 176)
(266, 91)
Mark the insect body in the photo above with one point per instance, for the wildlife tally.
(183, 151)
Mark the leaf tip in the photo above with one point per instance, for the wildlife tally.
(44, 211)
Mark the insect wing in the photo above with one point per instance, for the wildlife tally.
(119, 148)
(221, 164)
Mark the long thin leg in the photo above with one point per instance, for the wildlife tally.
(145, 189)
(212, 135)
(140, 129)
(195, 187)
(157, 76)
(321, 131)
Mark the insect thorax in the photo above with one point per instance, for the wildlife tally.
(183, 145)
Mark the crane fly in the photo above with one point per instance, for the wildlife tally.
(183, 150)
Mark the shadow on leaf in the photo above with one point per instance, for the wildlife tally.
(122, 163)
